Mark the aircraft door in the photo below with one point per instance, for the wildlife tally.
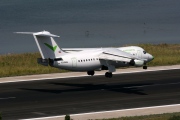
(139, 54)
(74, 62)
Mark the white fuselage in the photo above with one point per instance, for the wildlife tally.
(88, 60)
(80, 61)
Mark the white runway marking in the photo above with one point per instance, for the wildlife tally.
(38, 113)
(7, 98)
(104, 112)
(84, 75)
(152, 85)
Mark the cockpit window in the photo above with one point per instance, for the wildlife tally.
(58, 59)
(144, 52)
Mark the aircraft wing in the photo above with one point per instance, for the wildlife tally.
(113, 54)
(77, 49)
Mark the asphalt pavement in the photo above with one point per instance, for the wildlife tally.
(30, 99)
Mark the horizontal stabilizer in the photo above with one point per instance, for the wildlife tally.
(43, 33)
(30, 33)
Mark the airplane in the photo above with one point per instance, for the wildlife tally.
(87, 59)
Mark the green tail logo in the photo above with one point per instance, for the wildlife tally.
(53, 48)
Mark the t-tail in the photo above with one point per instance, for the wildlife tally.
(47, 46)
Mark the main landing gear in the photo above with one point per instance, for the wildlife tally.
(145, 67)
(90, 73)
(108, 74)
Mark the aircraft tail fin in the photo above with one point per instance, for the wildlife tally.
(46, 44)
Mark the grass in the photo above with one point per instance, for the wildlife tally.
(23, 64)
(166, 116)
(26, 64)
(164, 54)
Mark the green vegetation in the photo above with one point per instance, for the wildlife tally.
(164, 54)
(26, 64)
(23, 64)
(166, 116)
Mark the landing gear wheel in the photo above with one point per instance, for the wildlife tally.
(145, 67)
(108, 74)
(90, 73)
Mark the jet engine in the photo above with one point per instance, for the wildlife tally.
(136, 63)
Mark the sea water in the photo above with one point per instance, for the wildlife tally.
(88, 23)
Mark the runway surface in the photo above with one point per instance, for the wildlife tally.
(88, 94)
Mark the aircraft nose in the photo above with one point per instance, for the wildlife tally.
(150, 57)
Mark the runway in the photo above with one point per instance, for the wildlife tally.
(51, 97)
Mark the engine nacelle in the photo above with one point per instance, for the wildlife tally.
(139, 63)
(136, 63)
